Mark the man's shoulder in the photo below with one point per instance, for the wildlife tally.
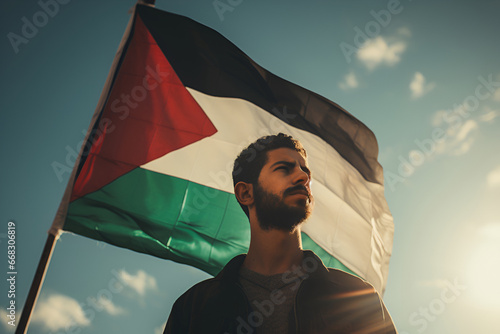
(346, 291)
(348, 281)
(335, 277)
(222, 284)
(198, 306)
(202, 288)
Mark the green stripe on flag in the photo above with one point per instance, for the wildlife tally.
(164, 216)
(328, 260)
(171, 218)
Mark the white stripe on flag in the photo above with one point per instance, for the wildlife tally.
(351, 219)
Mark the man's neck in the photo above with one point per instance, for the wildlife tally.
(274, 251)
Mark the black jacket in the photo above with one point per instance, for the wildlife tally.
(327, 301)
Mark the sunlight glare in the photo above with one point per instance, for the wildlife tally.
(484, 268)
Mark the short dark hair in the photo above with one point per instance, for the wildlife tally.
(250, 161)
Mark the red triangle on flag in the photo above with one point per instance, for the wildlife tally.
(148, 114)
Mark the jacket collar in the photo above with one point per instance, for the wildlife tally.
(311, 265)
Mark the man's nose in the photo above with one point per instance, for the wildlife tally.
(301, 177)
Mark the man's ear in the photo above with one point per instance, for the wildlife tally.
(244, 193)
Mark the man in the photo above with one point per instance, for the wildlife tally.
(277, 287)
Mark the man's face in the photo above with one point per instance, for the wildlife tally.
(283, 198)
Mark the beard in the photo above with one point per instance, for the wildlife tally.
(273, 213)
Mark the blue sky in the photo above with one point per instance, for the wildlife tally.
(424, 76)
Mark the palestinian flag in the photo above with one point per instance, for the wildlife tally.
(180, 103)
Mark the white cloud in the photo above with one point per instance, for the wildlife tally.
(496, 95)
(139, 282)
(463, 147)
(109, 307)
(350, 81)
(378, 50)
(461, 138)
(59, 312)
(449, 136)
(493, 177)
(465, 130)
(419, 86)
(489, 115)
(459, 135)
(4, 319)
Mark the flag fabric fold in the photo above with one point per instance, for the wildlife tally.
(180, 103)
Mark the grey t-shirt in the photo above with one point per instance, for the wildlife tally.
(272, 299)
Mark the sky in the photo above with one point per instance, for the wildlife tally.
(423, 75)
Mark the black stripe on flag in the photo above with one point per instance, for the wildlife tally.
(206, 61)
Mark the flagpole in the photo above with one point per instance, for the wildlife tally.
(56, 228)
(36, 285)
